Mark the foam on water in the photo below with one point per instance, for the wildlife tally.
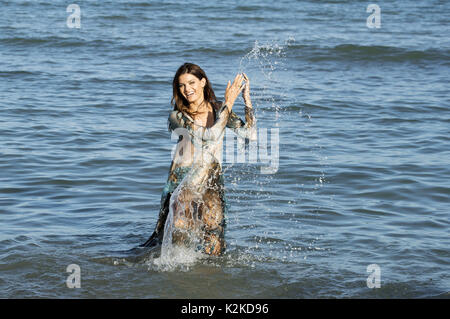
(175, 258)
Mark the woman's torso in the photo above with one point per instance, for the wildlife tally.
(191, 149)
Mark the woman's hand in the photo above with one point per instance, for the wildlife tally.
(246, 91)
(233, 90)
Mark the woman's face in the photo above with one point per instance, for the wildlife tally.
(191, 87)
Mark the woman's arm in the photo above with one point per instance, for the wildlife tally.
(179, 120)
(215, 132)
(248, 129)
(231, 93)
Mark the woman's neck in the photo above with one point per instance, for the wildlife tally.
(198, 107)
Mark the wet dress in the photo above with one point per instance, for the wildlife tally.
(194, 196)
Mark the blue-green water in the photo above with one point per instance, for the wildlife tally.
(363, 120)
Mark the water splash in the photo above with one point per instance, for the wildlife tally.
(176, 257)
(269, 56)
(267, 66)
(265, 62)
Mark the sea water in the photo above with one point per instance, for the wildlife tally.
(362, 114)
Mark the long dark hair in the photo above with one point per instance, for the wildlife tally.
(178, 101)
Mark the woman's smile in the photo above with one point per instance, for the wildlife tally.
(189, 95)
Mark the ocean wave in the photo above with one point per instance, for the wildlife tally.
(18, 74)
(212, 50)
(53, 41)
(353, 52)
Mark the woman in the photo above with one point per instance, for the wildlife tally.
(193, 197)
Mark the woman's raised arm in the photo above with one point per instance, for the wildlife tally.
(232, 91)
(248, 129)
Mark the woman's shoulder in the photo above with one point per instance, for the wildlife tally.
(178, 119)
(175, 115)
(175, 120)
